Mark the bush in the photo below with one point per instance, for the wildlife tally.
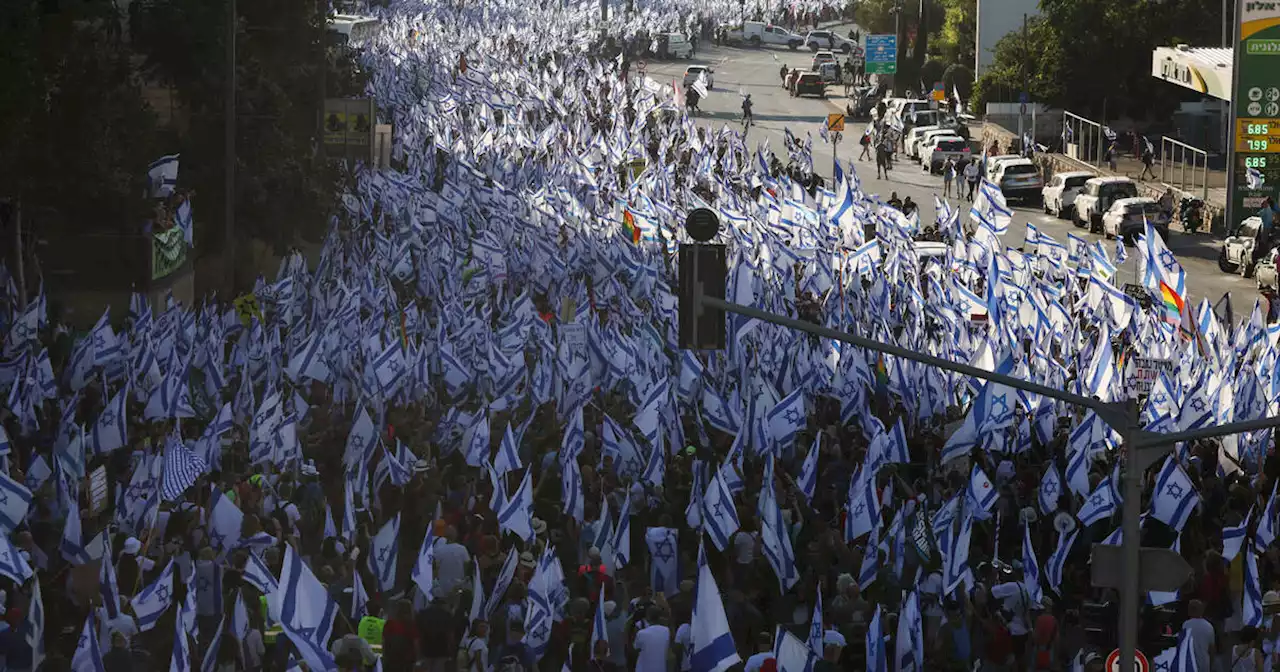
(931, 71)
(959, 77)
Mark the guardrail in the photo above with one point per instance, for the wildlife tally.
(1082, 139)
(1184, 167)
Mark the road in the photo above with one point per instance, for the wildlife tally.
(755, 71)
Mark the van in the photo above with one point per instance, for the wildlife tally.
(678, 46)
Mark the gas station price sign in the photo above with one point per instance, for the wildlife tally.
(1255, 102)
(1258, 135)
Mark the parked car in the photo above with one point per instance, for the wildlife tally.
(942, 148)
(1059, 194)
(825, 39)
(1128, 217)
(1237, 247)
(693, 72)
(809, 83)
(922, 141)
(1096, 198)
(993, 164)
(757, 33)
(1019, 178)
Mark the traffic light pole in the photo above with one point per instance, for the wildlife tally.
(1142, 448)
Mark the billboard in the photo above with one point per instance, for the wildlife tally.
(1255, 165)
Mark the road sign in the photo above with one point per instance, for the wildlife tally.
(1140, 662)
(939, 92)
(1141, 373)
(1160, 569)
(882, 54)
(835, 122)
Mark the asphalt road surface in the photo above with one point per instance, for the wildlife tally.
(755, 71)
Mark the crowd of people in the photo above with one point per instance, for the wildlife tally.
(465, 436)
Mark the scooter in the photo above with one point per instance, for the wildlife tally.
(1191, 214)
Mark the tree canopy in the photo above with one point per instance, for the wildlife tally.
(1094, 56)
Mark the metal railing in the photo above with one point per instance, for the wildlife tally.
(1082, 138)
(1184, 167)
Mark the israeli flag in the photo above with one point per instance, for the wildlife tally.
(1030, 567)
(1233, 538)
(88, 654)
(162, 176)
(808, 480)
(111, 432)
(713, 649)
(257, 574)
(508, 456)
(505, 575)
(15, 500)
(304, 611)
(515, 515)
(792, 654)
(1057, 561)
(151, 602)
(35, 626)
(210, 661)
(181, 469)
(423, 570)
(719, 514)
(1254, 178)
(1175, 496)
(383, 553)
(1252, 611)
(180, 660)
(1101, 503)
(877, 661)
(1050, 490)
(787, 419)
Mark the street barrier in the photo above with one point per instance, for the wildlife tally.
(1184, 167)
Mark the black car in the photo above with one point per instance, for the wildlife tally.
(809, 83)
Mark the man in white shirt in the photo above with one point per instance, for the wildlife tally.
(652, 642)
(452, 561)
(1201, 633)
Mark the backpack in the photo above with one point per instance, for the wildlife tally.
(465, 664)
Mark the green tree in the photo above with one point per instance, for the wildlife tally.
(283, 187)
(1032, 63)
(955, 41)
(75, 132)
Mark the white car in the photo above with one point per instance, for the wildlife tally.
(993, 164)
(1128, 217)
(914, 136)
(693, 72)
(926, 139)
(942, 148)
(678, 46)
(822, 57)
(1019, 178)
(826, 39)
(1096, 198)
(1060, 194)
(1237, 248)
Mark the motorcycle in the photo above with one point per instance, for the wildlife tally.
(1264, 272)
(1191, 214)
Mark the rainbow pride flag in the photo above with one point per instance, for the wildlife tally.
(629, 225)
(1173, 303)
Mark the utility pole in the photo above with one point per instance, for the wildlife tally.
(229, 156)
(1024, 94)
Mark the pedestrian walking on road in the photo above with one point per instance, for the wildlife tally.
(1148, 158)
(971, 176)
(866, 146)
(948, 175)
(1112, 150)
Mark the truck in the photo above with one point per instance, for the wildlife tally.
(758, 33)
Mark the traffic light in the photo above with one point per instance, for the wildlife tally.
(703, 271)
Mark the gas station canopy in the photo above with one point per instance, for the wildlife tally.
(1203, 69)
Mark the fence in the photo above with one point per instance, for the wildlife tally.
(1082, 138)
(1184, 167)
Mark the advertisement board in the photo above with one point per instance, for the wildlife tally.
(1255, 166)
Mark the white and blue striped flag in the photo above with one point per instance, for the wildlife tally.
(1175, 496)
(88, 653)
(152, 601)
(981, 494)
(181, 469)
(719, 513)
(383, 553)
(423, 569)
(111, 432)
(1251, 613)
(210, 661)
(1100, 504)
(1058, 560)
(304, 611)
(713, 648)
(515, 515)
(15, 500)
(808, 479)
(877, 661)
(180, 660)
(1030, 566)
(35, 625)
(1050, 490)
(162, 176)
(664, 575)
